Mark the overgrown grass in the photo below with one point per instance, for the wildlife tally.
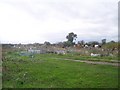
(45, 71)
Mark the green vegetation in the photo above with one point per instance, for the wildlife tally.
(71, 37)
(110, 45)
(46, 71)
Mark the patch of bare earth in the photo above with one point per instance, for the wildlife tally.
(96, 62)
(92, 62)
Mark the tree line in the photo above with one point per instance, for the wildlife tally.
(71, 38)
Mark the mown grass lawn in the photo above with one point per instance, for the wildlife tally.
(45, 71)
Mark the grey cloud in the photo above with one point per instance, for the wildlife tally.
(98, 12)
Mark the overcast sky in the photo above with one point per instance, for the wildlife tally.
(30, 21)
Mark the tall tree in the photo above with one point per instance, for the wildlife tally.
(71, 36)
(103, 41)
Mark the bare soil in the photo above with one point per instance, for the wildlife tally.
(96, 62)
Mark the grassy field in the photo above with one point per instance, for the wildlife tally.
(47, 71)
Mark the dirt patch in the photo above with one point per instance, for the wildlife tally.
(94, 62)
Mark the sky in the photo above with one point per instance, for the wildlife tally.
(37, 21)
